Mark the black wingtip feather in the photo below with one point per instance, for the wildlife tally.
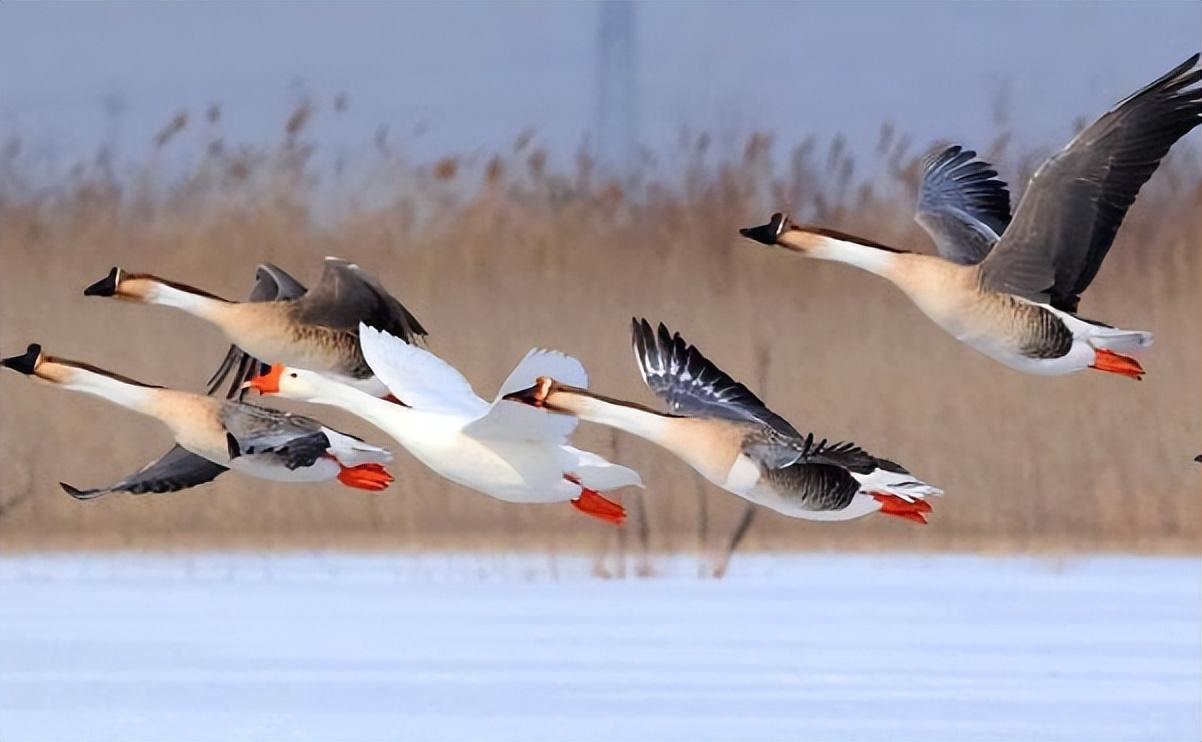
(79, 494)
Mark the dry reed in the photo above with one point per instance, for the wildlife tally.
(497, 254)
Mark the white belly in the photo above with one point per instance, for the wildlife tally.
(513, 471)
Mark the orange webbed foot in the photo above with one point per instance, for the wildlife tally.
(591, 503)
(371, 477)
(1117, 363)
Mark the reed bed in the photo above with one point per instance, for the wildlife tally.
(497, 253)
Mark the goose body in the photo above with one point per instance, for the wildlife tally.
(213, 435)
(724, 432)
(500, 449)
(1013, 294)
(283, 322)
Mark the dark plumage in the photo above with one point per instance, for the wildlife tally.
(1076, 201)
(176, 470)
(962, 205)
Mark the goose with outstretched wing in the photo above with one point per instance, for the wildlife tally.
(1018, 304)
(316, 329)
(499, 448)
(213, 435)
(722, 430)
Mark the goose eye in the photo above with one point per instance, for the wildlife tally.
(292, 375)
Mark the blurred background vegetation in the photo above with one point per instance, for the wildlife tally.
(499, 252)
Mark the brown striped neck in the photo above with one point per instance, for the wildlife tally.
(149, 289)
(628, 416)
(83, 377)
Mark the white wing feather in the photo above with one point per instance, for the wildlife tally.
(417, 377)
(516, 421)
(352, 451)
(598, 474)
(539, 362)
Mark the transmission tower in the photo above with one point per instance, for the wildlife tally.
(617, 109)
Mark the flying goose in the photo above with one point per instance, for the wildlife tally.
(282, 323)
(722, 430)
(1019, 304)
(501, 449)
(213, 435)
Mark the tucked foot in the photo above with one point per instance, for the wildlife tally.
(372, 477)
(1117, 363)
(893, 505)
(591, 503)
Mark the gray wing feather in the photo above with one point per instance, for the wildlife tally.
(346, 296)
(962, 205)
(272, 283)
(297, 440)
(694, 386)
(1076, 201)
(176, 470)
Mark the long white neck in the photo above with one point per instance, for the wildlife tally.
(825, 247)
(634, 420)
(390, 417)
(131, 396)
(199, 305)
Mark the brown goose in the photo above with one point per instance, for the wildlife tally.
(722, 430)
(213, 435)
(316, 330)
(1018, 304)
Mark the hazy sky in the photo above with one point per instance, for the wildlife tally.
(470, 76)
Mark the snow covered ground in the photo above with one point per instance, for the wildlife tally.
(318, 647)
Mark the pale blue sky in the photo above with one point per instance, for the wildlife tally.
(471, 76)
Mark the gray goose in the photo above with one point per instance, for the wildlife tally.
(213, 435)
(1019, 303)
(722, 430)
(316, 330)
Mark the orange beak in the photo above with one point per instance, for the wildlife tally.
(268, 383)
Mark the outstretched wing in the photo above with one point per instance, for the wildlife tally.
(272, 283)
(692, 385)
(1076, 201)
(962, 205)
(423, 380)
(346, 296)
(176, 470)
(516, 421)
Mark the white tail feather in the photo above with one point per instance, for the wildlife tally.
(1120, 341)
(906, 486)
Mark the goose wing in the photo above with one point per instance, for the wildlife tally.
(516, 421)
(272, 283)
(345, 296)
(962, 205)
(692, 385)
(296, 440)
(176, 470)
(417, 377)
(1076, 201)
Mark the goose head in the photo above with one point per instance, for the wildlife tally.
(547, 394)
(770, 233)
(289, 383)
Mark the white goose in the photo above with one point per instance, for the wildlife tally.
(1014, 297)
(213, 435)
(502, 449)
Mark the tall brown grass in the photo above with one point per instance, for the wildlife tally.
(499, 253)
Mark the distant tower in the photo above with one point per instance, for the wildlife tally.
(617, 106)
